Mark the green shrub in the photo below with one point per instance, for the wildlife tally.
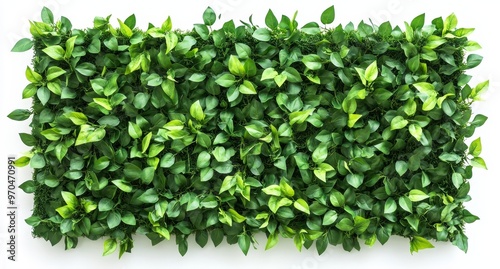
(324, 135)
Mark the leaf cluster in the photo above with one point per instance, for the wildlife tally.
(326, 135)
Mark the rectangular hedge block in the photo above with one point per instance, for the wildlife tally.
(324, 135)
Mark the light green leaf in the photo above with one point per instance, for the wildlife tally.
(301, 205)
(171, 40)
(55, 52)
(196, 111)
(418, 243)
(134, 130)
(417, 195)
(371, 72)
(110, 246)
(398, 122)
(247, 88)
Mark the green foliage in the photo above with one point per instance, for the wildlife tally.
(325, 135)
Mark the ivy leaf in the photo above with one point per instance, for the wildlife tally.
(209, 16)
(328, 16)
(23, 45)
(418, 243)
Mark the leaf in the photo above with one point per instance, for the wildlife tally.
(320, 153)
(272, 240)
(398, 122)
(171, 40)
(475, 147)
(226, 80)
(196, 111)
(478, 162)
(301, 205)
(55, 52)
(262, 34)
(371, 72)
(209, 16)
(125, 30)
(19, 114)
(134, 130)
(418, 243)
(312, 61)
(328, 16)
(415, 131)
(244, 243)
(70, 199)
(247, 88)
(110, 246)
(271, 20)
(87, 69)
(47, 16)
(23, 45)
(417, 195)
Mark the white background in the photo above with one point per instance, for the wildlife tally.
(485, 186)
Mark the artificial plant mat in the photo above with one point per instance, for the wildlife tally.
(327, 135)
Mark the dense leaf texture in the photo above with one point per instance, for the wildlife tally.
(332, 135)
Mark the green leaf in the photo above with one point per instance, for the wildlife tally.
(336, 59)
(475, 147)
(406, 204)
(202, 30)
(329, 218)
(123, 185)
(247, 88)
(110, 246)
(262, 34)
(299, 117)
(226, 80)
(124, 29)
(114, 219)
(70, 199)
(19, 114)
(371, 72)
(353, 118)
(86, 69)
(244, 243)
(29, 186)
(398, 122)
(418, 243)
(271, 20)
(23, 45)
(401, 167)
(345, 225)
(55, 52)
(134, 130)
(312, 61)
(320, 153)
(337, 199)
(328, 16)
(196, 111)
(418, 22)
(209, 16)
(171, 40)
(415, 131)
(54, 72)
(461, 241)
(47, 16)
(417, 195)
(272, 240)
(478, 162)
(355, 180)
(301, 205)
(78, 118)
(32, 76)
